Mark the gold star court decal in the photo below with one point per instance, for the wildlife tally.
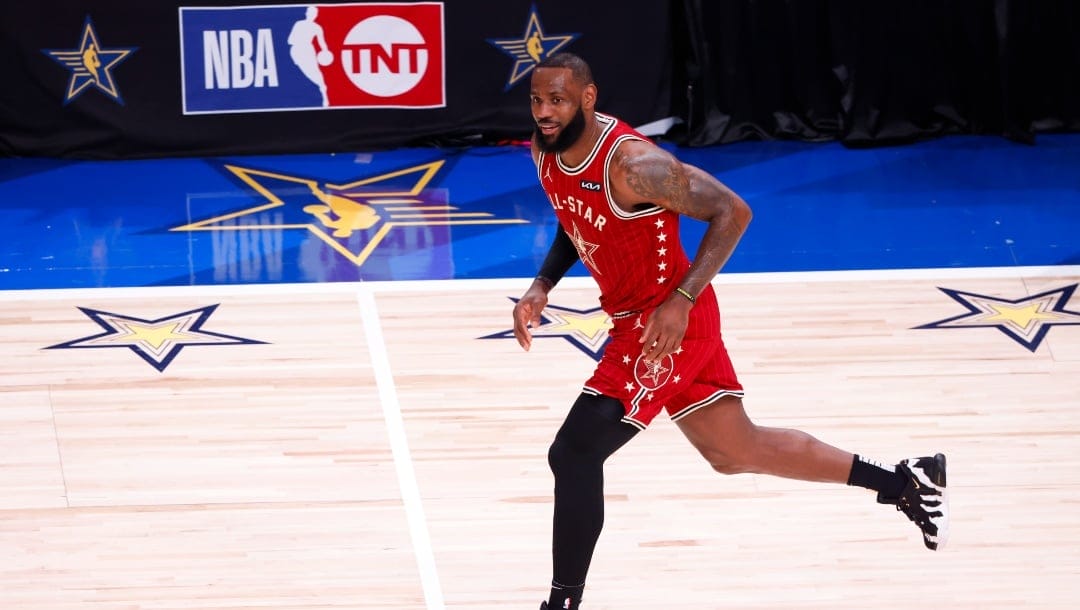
(585, 329)
(1026, 320)
(156, 341)
(352, 218)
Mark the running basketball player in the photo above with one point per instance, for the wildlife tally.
(618, 199)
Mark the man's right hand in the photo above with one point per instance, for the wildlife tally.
(527, 312)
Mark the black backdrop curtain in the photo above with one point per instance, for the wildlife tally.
(863, 72)
(626, 48)
(875, 73)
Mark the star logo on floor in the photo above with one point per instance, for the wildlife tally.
(1026, 320)
(354, 217)
(585, 329)
(156, 341)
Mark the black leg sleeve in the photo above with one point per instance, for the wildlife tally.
(591, 433)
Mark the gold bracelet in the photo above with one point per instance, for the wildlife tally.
(686, 294)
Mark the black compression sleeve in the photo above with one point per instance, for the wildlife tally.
(560, 258)
(592, 432)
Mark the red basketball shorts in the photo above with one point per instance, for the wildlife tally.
(694, 376)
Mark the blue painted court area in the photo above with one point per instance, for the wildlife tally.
(478, 213)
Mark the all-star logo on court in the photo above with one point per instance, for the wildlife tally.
(156, 341)
(1026, 320)
(585, 329)
(353, 217)
(90, 64)
(532, 48)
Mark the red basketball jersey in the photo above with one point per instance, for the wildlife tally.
(638, 260)
(636, 257)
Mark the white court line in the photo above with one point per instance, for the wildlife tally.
(520, 284)
(365, 294)
(395, 428)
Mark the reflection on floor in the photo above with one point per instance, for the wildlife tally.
(478, 213)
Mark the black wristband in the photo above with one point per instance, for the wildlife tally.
(560, 258)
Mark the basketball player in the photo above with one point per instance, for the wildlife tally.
(618, 199)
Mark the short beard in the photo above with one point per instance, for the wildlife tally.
(566, 138)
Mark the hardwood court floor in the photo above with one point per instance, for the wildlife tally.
(360, 446)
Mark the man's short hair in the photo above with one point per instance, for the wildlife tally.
(577, 66)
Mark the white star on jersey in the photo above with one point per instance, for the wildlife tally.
(661, 252)
(585, 249)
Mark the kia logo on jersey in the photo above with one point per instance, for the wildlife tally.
(312, 57)
(590, 186)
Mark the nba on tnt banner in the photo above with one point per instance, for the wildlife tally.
(312, 57)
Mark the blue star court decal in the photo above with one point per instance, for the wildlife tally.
(532, 48)
(585, 329)
(90, 65)
(353, 218)
(158, 341)
(1026, 320)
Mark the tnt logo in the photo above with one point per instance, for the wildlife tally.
(385, 56)
(302, 57)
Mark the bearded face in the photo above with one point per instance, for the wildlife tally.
(551, 139)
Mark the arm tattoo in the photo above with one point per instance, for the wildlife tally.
(659, 178)
(656, 177)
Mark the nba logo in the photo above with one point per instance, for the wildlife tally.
(310, 57)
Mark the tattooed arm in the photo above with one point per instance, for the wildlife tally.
(642, 172)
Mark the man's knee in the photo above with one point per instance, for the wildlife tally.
(592, 432)
(724, 436)
(725, 464)
(563, 458)
(735, 457)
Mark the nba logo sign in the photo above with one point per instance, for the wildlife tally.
(312, 57)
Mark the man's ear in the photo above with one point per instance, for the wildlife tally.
(588, 97)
